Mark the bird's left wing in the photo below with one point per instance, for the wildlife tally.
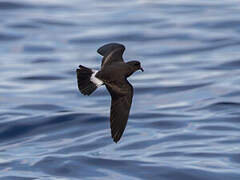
(121, 93)
(111, 52)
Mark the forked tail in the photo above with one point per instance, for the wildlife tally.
(87, 82)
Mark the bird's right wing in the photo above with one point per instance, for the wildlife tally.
(111, 52)
(121, 93)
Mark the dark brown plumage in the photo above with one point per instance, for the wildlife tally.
(113, 74)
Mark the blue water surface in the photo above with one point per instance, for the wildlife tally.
(185, 117)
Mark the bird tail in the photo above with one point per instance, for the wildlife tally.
(87, 82)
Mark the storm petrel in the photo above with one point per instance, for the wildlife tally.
(113, 74)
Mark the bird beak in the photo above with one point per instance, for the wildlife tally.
(141, 69)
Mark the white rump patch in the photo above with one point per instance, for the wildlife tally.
(95, 80)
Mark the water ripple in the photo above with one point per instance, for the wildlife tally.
(10, 37)
(4, 5)
(184, 120)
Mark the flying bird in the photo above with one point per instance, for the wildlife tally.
(113, 74)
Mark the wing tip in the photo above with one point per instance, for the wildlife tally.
(109, 47)
(116, 137)
(115, 140)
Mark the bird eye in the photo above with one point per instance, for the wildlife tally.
(137, 63)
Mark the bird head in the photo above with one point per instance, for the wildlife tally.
(135, 65)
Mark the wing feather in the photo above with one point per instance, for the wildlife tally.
(111, 52)
(121, 94)
(107, 48)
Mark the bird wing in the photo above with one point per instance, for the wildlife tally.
(121, 93)
(111, 52)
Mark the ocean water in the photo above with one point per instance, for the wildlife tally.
(185, 117)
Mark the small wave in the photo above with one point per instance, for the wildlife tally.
(39, 124)
(218, 128)
(45, 60)
(38, 48)
(41, 78)
(194, 50)
(10, 37)
(223, 24)
(41, 107)
(231, 65)
(54, 22)
(169, 89)
(224, 105)
(4, 5)
(24, 25)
